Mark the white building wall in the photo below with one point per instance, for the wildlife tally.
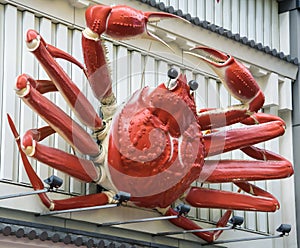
(255, 19)
(60, 24)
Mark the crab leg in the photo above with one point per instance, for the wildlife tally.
(259, 200)
(270, 166)
(74, 202)
(79, 168)
(74, 134)
(118, 22)
(219, 142)
(97, 69)
(188, 224)
(45, 53)
(240, 84)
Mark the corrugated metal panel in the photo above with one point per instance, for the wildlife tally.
(130, 70)
(255, 19)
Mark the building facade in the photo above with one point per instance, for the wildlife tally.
(259, 33)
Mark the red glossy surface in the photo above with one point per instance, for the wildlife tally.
(79, 168)
(81, 201)
(212, 198)
(219, 142)
(188, 224)
(240, 82)
(96, 18)
(155, 149)
(74, 134)
(74, 97)
(97, 69)
(35, 181)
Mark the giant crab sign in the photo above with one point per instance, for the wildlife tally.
(156, 145)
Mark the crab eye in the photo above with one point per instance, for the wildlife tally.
(193, 85)
(172, 82)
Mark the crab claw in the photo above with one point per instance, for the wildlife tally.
(235, 76)
(122, 22)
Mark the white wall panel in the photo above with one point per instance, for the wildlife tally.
(162, 70)
(284, 31)
(235, 16)
(122, 80)
(27, 117)
(11, 66)
(2, 95)
(267, 23)
(255, 19)
(251, 17)
(136, 71)
(149, 64)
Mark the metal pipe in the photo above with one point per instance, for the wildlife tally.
(195, 231)
(139, 220)
(78, 209)
(23, 194)
(244, 239)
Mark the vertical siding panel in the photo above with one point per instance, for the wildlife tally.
(27, 116)
(227, 15)
(209, 11)
(10, 101)
(136, 71)
(77, 77)
(62, 40)
(201, 9)
(201, 92)
(259, 21)
(192, 7)
(267, 24)
(2, 46)
(219, 14)
(275, 26)
(174, 3)
(235, 21)
(189, 75)
(284, 24)
(243, 17)
(45, 30)
(251, 20)
(183, 5)
(122, 75)
(162, 72)
(212, 91)
(150, 71)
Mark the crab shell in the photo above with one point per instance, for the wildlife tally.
(155, 148)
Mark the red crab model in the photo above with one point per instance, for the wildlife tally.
(155, 147)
